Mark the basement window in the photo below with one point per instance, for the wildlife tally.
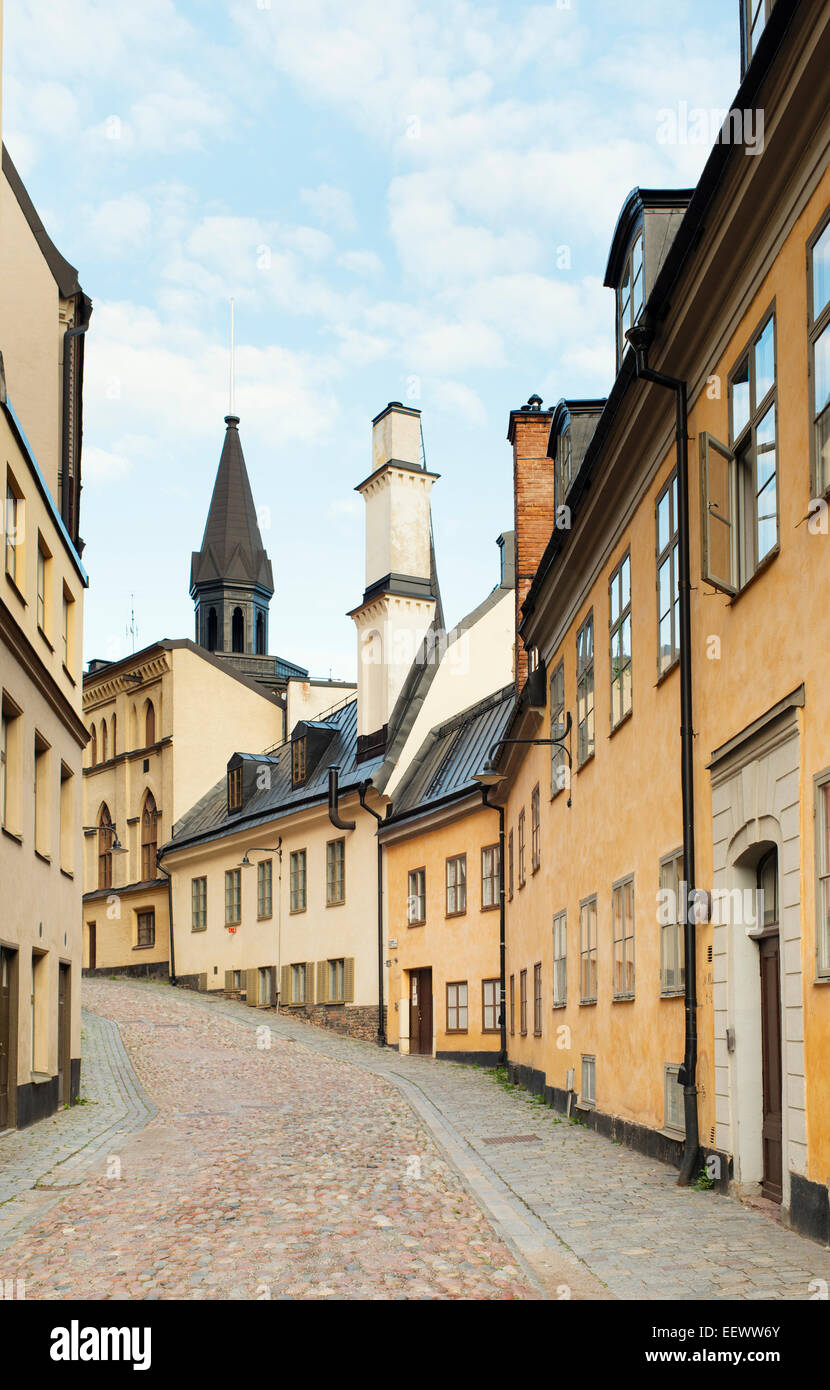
(588, 1088)
(674, 1118)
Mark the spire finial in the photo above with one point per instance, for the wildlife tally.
(232, 410)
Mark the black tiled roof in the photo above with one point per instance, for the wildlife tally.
(209, 818)
(232, 546)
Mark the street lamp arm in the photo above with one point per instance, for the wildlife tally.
(490, 775)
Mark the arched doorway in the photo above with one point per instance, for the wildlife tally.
(238, 631)
(212, 630)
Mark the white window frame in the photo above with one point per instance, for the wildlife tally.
(560, 960)
(668, 561)
(558, 760)
(674, 1112)
(416, 903)
(490, 877)
(672, 937)
(198, 903)
(588, 1082)
(458, 1006)
(456, 885)
(586, 731)
(818, 331)
(265, 889)
(619, 618)
(588, 950)
(631, 292)
(623, 963)
(822, 784)
(298, 880)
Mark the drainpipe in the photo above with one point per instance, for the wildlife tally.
(169, 878)
(381, 1036)
(502, 935)
(71, 495)
(640, 337)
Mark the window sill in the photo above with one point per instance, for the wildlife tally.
(12, 835)
(491, 1031)
(762, 569)
(264, 916)
(821, 980)
(150, 947)
(587, 1003)
(461, 913)
(586, 1105)
(67, 673)
(559, 1004)
(422, 923)
(623, 998)
(44, 858)
(198, 929)
(621, 722)
(45, 638)
(672, 993)
(16, 590)
(537, 1032)
(456, 1032)
(292, 912)
(669, 1133)
(67, 873)
(489, 907)
(341, 903)
(39, 1078)
(233, 924)
(586, 761)
(664, 675)
(535, 868)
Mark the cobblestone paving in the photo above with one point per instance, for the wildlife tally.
(274, 1172)
(267, 1172)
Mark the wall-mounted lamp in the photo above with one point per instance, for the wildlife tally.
(490, 775)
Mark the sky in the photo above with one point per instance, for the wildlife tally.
(407, 200)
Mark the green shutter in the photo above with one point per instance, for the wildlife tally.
(309, 982)
(251, 992)
(285, 985)
(322, 982)
(348, 980)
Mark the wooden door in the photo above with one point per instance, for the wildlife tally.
(771, 1057)
(5, 1035)
(64, 1034)
(92, 945)
(420, 1012)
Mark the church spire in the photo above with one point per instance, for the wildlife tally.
(231, 579)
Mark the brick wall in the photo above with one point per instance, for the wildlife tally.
(352, 1020)
(533, 505)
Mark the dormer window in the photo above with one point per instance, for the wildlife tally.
(235, 789)
(564, 462)
(298, 762)
(754, 16)
(630, 294)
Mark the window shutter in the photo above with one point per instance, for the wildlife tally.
(203, 983)
(348, 980)
(228, 980)
(718, 485)
(322, 982)
(251, 993)
(285, 985)
(309, 982)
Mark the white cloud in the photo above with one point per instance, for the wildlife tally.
(361, 262)
(101, 467)
(454, 398)
(120, 223)
(330, 205)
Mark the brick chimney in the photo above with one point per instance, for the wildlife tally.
(533, 503)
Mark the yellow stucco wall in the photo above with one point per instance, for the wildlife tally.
(456, 948)
(626, 811)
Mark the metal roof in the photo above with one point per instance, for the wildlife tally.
(453, 753)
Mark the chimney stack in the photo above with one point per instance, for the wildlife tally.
(399, 601)
(533, 504)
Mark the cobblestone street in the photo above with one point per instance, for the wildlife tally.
(318, 1167)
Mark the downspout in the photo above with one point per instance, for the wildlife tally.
(172, 948)
(71, 497)
(639, 338)
(381, 1036)
(502, 935)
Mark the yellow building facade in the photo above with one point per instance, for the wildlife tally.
(43, 316)
(733, 300)
(162, 724)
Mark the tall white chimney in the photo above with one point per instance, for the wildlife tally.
(398, 603)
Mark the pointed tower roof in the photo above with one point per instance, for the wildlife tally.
(232, 549)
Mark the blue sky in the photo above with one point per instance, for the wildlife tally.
(407, 200)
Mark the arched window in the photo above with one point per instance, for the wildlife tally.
(93, 747)
(103, 740)
(212, 630)
(260, 634)
(238, 631)
(149, 837)
(149, 724)
(114, 745)
(104, 848)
